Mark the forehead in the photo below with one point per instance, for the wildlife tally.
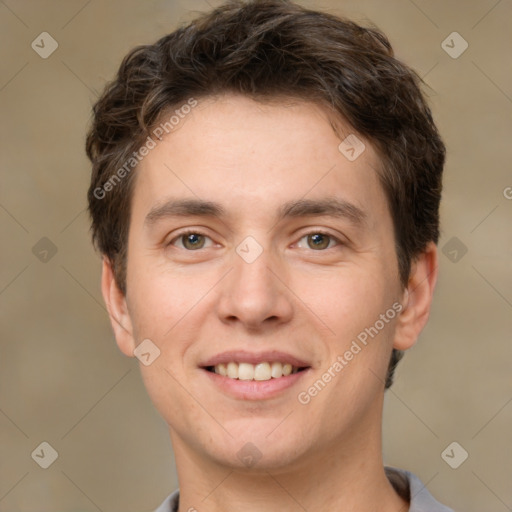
(252, 156)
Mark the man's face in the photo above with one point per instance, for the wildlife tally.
(266, 282)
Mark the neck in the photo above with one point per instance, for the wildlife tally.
(344, 475)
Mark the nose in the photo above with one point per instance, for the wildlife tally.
(255, 294)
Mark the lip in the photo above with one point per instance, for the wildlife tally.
(254, 389)
(243, 356)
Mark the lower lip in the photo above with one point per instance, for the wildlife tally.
(254, 389)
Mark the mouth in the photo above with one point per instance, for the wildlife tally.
(246, 375)
(263, 371)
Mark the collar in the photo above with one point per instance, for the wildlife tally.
(406, 484)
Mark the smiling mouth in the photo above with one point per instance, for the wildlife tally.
(257, 372)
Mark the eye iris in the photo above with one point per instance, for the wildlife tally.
(195, 240)
(320, 241)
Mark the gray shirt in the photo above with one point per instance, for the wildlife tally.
(406, 484)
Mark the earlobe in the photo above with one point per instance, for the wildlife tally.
(115, 301)
(417, 298)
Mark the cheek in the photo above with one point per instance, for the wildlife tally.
(162, 383)
(162, 309)
(159, 298)
(348, 300)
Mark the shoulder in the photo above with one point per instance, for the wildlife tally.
(406, 484)
(410, 487)
(170, 504)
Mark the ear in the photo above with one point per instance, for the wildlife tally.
(417, 298)
(117, 310)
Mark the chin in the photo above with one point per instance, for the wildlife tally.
(252, 451)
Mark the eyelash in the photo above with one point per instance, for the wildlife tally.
(198, 232)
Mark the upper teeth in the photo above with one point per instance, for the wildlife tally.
(260, 371)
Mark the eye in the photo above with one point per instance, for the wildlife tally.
(317, 240)
(191, 240)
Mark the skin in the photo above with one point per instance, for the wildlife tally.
(193, 304)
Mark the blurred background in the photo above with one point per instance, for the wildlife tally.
(63, 380)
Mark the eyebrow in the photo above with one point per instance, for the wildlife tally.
(184, 208)
(329, 206)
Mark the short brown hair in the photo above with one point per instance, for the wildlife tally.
(266, 49)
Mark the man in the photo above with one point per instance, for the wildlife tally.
(265, 193)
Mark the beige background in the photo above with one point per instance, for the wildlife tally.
(62, 378)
